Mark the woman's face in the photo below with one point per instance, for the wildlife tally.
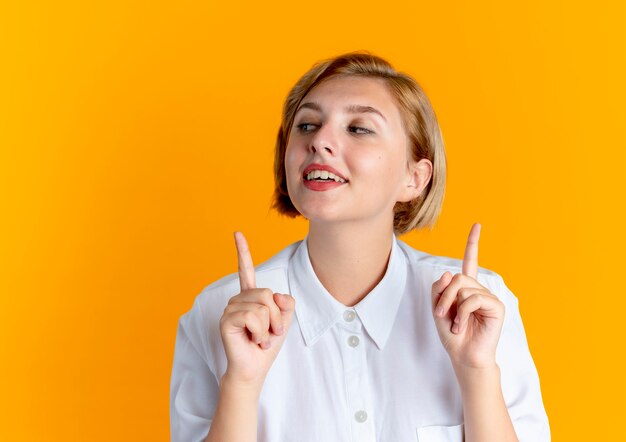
(350, 127)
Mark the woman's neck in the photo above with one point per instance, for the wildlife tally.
(349, 259)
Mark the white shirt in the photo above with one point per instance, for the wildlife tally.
(373, 372)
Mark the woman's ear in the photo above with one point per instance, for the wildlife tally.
(417, 178)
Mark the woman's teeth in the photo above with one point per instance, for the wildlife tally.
(323, 175)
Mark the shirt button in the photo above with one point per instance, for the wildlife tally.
(349, 315)
(353, 341)
(360, 416)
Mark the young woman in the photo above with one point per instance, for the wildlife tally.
(351, 334)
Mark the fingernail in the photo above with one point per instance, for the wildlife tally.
(267, 344)
(281, 329)
(439, 311)
(455, 328)
(456, 319)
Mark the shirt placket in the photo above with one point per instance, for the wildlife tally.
(360, 409)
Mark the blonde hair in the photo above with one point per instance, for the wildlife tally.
(419, 121)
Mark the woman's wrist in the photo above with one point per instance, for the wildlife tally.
(235, 417)
(240, 388)
(484, 409)
(473, 378)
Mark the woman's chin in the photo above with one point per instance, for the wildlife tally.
(320, 214)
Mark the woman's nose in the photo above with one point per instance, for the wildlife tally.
(324, 140)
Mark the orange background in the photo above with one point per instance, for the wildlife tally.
(136, 137)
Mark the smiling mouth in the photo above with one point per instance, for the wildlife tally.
(323, 176)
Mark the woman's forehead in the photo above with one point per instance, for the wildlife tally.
(352, 93)
(356, 87)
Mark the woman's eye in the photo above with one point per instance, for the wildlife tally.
(305, 127)
(309, 127)
(360, 130)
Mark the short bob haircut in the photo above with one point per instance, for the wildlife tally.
(418, 119)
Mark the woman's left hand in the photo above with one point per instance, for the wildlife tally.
(468, 316)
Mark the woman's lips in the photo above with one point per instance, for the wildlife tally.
(317, 166)
(321, 186)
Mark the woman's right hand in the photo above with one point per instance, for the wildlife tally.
(254, 325)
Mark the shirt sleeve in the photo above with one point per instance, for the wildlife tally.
(194, 389)
(520, 380)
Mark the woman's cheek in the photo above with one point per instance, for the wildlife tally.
(289, 166)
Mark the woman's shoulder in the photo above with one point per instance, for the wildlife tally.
(272, 274)
(420, 258)
(427, 263)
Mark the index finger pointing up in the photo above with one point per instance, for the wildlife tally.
(244, 263)
(470, 260)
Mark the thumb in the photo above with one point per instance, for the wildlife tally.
(286, 303)
(439, 286)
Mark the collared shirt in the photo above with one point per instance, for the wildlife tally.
(373, 372)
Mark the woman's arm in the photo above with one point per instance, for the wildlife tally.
(485, 414)
(253, 328)
(469, 320)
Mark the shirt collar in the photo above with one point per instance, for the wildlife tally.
(317, 310)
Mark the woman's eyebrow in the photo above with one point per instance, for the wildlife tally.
(309, 105)
(353, 108)
(360, 109)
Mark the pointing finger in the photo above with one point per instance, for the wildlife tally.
(470, 260)
(244, 263)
